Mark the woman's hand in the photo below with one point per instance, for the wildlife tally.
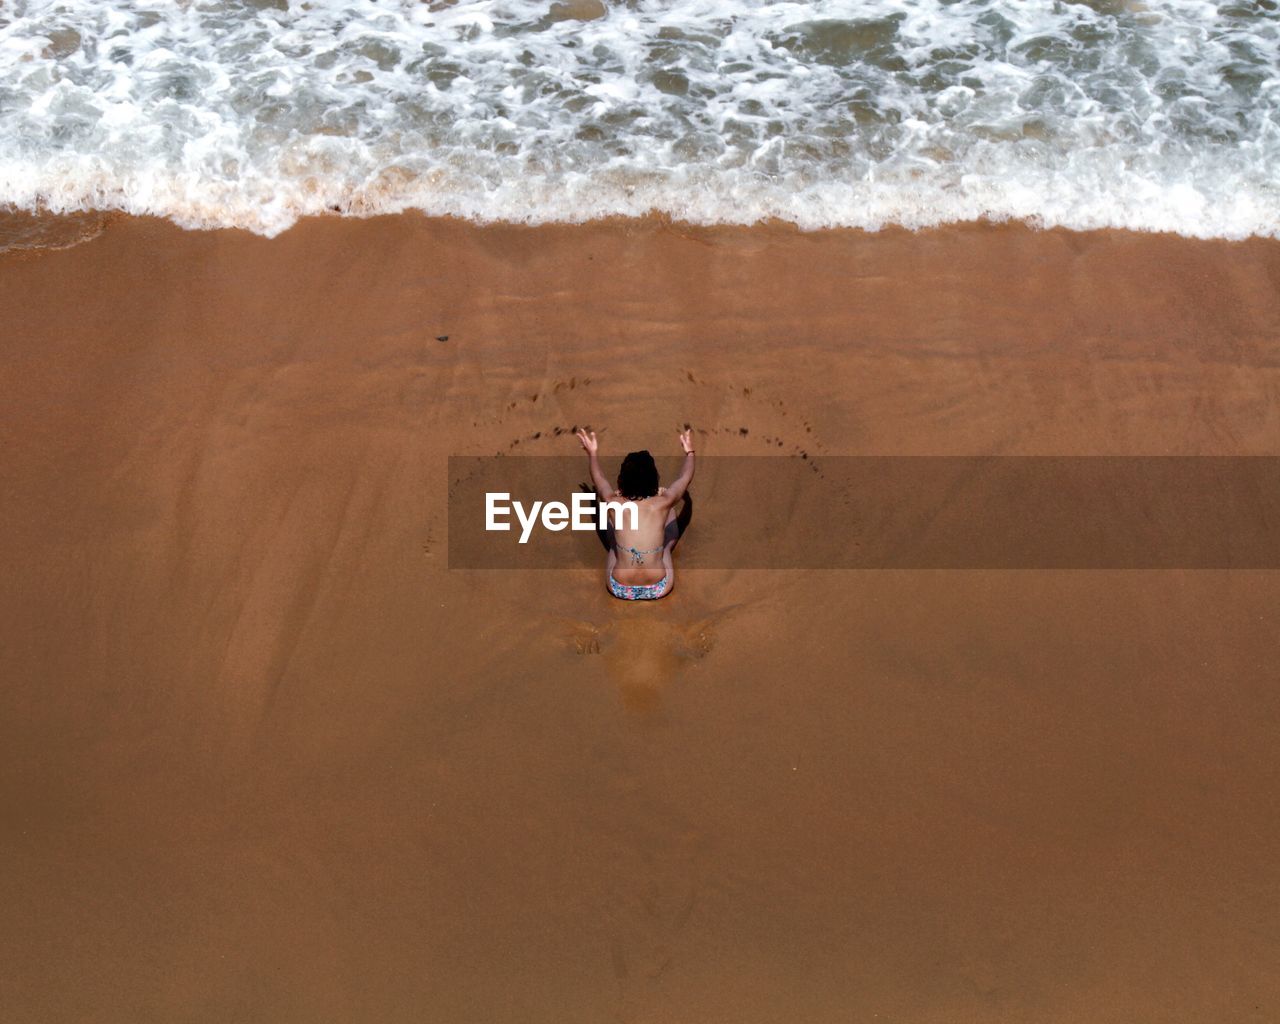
(588, 439)
(686, 441)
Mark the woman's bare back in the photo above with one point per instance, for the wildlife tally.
(639, 564)
(639, 552)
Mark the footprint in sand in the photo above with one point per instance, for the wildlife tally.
(642, 655)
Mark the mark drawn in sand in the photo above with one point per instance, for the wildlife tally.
(522, 408)
(747, 415)
(429, 542)
(751, 421)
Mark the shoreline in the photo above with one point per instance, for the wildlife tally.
(267, 757)
(11, 214)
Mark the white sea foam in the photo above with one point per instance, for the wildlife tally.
(876, 112)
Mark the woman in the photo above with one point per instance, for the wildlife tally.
(639, 566)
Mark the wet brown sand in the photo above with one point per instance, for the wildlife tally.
(263, 757)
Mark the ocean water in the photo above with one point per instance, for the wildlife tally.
(1161, 115)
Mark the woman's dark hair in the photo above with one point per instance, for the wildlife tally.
(638, 477)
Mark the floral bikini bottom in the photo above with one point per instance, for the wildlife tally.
(639, 592)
